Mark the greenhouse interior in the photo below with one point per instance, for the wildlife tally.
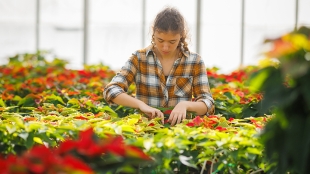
(237, 101)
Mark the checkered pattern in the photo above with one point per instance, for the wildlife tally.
(187, 81)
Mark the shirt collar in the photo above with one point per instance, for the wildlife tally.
(149, 49)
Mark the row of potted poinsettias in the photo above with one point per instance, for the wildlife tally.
(46, 108)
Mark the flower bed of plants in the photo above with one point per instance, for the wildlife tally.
(43, 103)
(48, 109)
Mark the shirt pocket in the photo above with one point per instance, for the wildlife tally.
(183, 86)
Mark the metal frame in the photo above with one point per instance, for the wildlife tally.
(198, 26)
(85, 31)
(37, 34)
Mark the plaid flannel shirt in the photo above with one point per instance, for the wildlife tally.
(187, 80)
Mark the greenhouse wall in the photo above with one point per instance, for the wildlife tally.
(115, 28)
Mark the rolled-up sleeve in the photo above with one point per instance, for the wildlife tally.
(201, 88)
(121, 81)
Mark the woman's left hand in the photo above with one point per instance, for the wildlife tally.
(178, 113)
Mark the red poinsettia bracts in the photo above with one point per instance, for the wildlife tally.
(220, 123)
(207, 121)
(70, 156)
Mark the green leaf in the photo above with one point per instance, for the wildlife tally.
(34, 126)
(258, 79)
(249, 112)
(29, 142)
(254, 151)
(229, 95)
(37, 140)
(29, 108)
(55, 99)
(236, 110)
(26, 102)
(2, 103)
(127, 128)
(74, 102)
(132, 121)
(79, 123)
(108, 110)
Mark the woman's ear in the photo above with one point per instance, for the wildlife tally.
(153, 40)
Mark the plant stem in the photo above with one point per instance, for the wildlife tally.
(260, 170)
(203, 167)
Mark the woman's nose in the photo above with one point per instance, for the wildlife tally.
(165, 47)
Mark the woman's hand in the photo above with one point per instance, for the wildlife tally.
(151, 112)
(178, 113)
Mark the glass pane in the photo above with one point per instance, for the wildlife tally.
(17, 31)
(221, 28)
(265, 19)
(115, 31)
(116, 28)
(62, 29)
(304, 13)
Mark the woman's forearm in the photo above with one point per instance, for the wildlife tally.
(126, 100)
(200, 108)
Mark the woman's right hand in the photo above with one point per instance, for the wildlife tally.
(126, 100)
(151, 112)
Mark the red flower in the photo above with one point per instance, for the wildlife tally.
(7, 96)
(151, 124)
(30, 118)
(190, 124)
(102, 73)
(9, 87)
(76, 164)
(166, 121)
(93, 96)
(39, 159)
(81, 117)
(84, 80)
(167, 112)
(86, 144)
(133, 151)
(244, 101)
(66, 146)
(73, 92)
(6, 71)
(213, 116)
(240, 93)
(221, 128)
(115, 145)
(197, 121)
(85, 73)
(230, 119)
(256, 124)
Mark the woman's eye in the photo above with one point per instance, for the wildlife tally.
(172, 42)
(160, 41)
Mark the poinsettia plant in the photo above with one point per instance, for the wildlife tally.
(286, 92)
(88, 154)
(232, 95)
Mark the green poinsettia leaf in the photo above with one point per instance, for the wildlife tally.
(2, 104)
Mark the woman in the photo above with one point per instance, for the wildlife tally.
(166, 74)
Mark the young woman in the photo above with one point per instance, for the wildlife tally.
(166, 74)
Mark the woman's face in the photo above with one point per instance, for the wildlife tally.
(166, 42)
